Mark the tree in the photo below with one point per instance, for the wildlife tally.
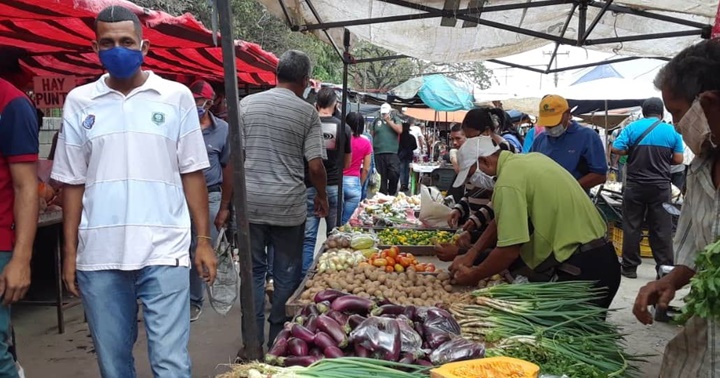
(474, 72)
(381, 75)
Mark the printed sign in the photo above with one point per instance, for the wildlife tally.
(50, 91)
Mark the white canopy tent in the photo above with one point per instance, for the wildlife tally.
(471, 30)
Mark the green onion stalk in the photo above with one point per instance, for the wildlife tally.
(343, 367)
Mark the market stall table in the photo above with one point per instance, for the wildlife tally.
(416, 170)
(54, 219)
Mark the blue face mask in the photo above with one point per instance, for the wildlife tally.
(121, 62)
(201, 111)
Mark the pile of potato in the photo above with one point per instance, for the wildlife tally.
(406, 288)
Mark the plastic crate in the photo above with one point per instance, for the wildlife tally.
(617, 238)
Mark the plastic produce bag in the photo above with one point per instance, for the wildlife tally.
(433, 212)
(380, 336)
(457, 349)
(224, 291)
(411, 341)
(439, 326)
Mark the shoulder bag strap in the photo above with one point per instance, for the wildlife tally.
(643, 135)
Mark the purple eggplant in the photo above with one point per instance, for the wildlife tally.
(332, 328)
(353, 321)
(279, 349)
(298, 360)
(322, 307)
(333, 352)
(361, 351)
(410, 312)
(328, 295)
(457, 349)
(423, 362)
(441, 319)
(353, 304)
(323, 340)
(337, 316)
(316, 352)
(411, 341)
(389, 309)
(436, 337)
(305, 311)
(297, 347)
(394, 330)
(284, 334)
(302, 333)
(311, 323)
(407, 358)
(420, 329)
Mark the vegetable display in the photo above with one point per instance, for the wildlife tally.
(404, 288)
(345, 367)
(392, 260)
(341, 325)
(704, 297)
(396, 236)
(551, 324)
(385, 211)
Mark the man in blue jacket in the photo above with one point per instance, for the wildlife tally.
(577, 149)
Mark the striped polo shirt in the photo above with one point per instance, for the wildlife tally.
(280, 132)
(129, 152)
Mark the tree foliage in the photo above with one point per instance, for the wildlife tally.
(255, 24)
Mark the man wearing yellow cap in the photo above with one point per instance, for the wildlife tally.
(577, 149)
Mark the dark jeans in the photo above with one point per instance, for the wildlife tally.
(405, 173)
(388, 166)
(287, 244)
(645, 202)
(599, 265)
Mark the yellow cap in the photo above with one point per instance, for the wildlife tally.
(552, 108)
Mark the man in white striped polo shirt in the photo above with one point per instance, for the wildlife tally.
(280, 132)
(131, 156)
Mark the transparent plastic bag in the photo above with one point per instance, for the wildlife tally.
(457, 349)
(224, 291)
(381, 336)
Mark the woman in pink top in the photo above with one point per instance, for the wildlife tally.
(355, 175)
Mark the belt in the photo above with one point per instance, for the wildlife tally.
(593, 244)
(214, 188)
(550, 265)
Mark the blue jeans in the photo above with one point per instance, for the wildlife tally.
(405, 173)
(312, 223)
(7, 362)
(287, 247)
(352, 191)
(270, 259)
(110, 299)
(197, 285)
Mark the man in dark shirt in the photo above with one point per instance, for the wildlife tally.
(652, 146)
(325, 104)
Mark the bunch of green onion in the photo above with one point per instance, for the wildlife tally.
(343, 367)
(547, 322)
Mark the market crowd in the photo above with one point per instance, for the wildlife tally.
(139, 230)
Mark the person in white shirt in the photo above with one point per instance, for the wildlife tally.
(131, 155)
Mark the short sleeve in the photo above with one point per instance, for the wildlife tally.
(679, 146)
(19, 131)
(314, 145)
(595, 155)
(511, 215)
(622, 142)
(72, 156)
(191, 151)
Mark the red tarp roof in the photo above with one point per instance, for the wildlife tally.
(52, 37)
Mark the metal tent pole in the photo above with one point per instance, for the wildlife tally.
(252, 348)
(341, 132)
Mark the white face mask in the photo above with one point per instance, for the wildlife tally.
(555, 131)
(694, 128)
(480, 180)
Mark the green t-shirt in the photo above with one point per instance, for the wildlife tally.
(385, 139)
(532, 186)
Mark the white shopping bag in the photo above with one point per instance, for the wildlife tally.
(433, 213)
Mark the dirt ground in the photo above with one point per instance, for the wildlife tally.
(215, 339)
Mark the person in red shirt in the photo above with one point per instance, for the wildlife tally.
(18, 206)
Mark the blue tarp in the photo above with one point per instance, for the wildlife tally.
(600, 72)
(438, 92)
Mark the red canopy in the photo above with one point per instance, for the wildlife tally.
(52, 37)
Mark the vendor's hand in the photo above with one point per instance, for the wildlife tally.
(14, 280)
(446, 251)
(321, 206)
(466, 276)
(658, 293)
(465, 240)
(466, 260)
(386, 117)
(454, 218)
(68, 274)
(206, 261)
(221, 218)
(469, 226)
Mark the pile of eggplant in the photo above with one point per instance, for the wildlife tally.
(338, 324)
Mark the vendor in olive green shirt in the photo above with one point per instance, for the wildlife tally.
(385, 131)
(546, 224)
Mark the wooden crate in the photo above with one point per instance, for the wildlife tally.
(616, 233)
